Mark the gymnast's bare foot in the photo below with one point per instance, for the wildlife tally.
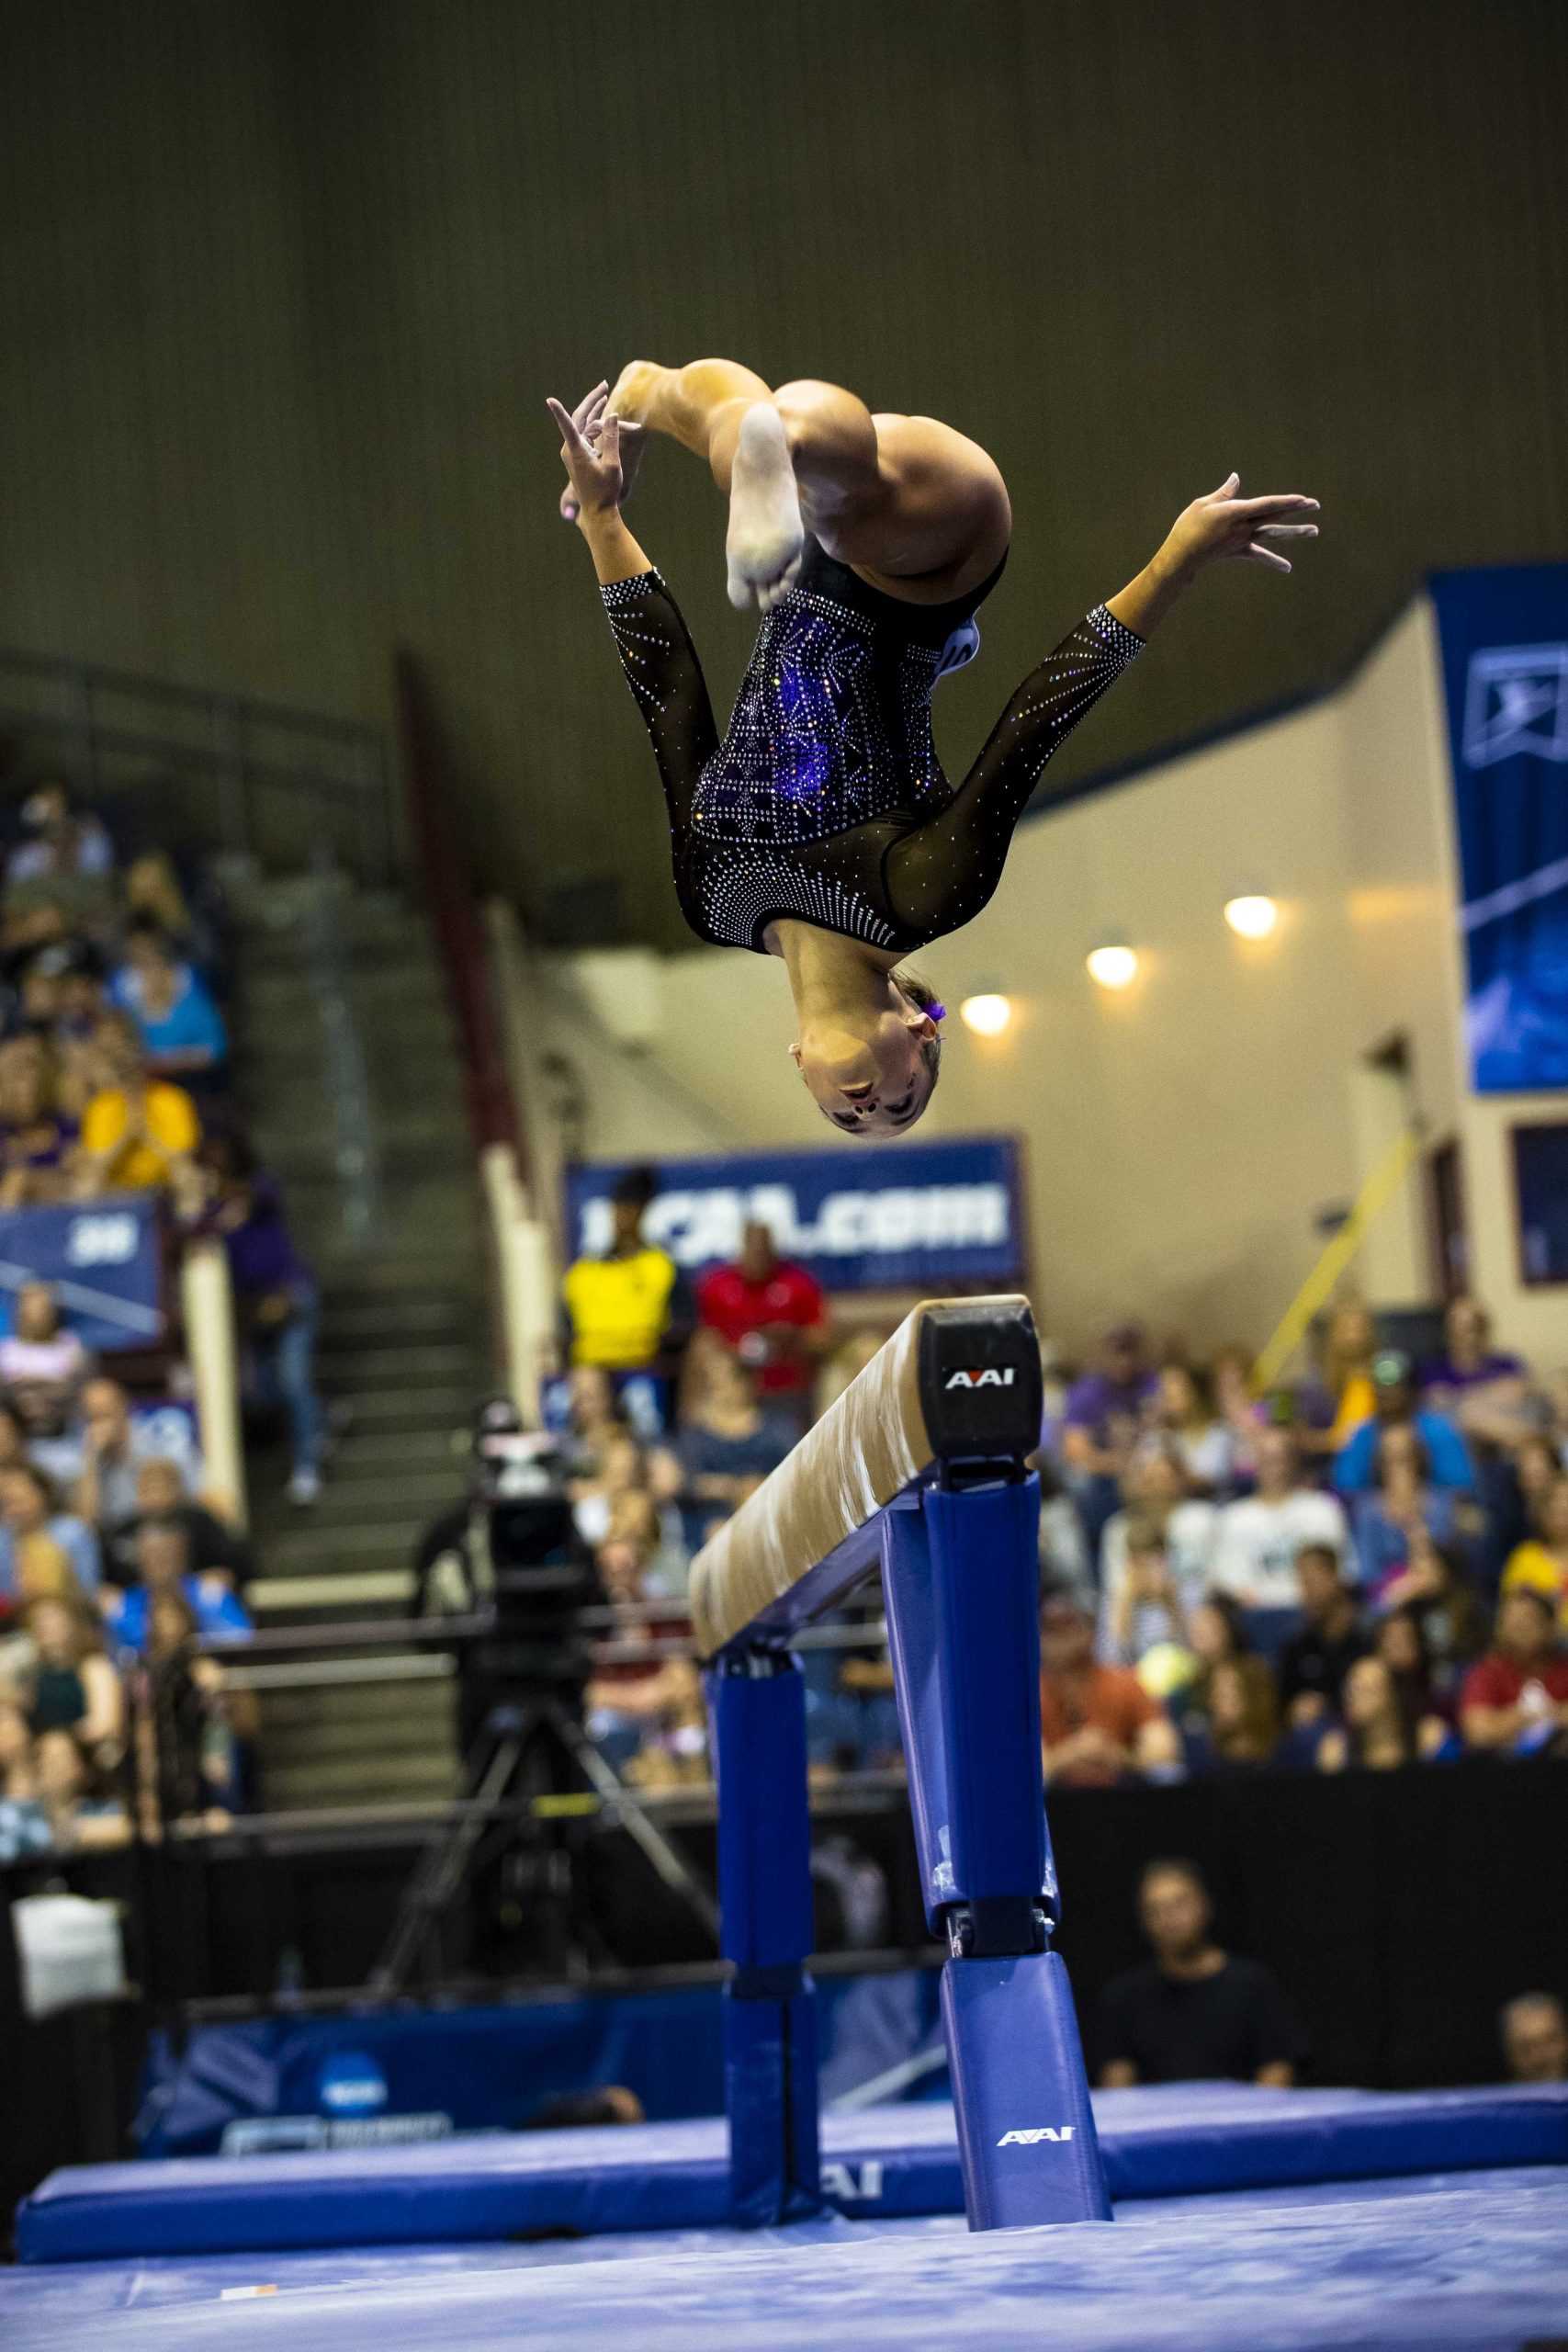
(766, 537)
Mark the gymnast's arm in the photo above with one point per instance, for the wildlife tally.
(941, 873)
(652, 637)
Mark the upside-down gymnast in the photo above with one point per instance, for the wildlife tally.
(820, 828)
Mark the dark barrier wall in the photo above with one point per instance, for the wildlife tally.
(1398, 1910)
(284, 286)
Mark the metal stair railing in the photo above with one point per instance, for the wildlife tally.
(257, 759)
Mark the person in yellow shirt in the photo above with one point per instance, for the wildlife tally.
(625, 1311)
(137, 1135)
(1542, 1562)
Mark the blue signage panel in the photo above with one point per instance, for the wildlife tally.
(1504, 645)
(104, 1262)
(896, 1217)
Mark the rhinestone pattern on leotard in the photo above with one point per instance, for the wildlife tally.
(824, 800)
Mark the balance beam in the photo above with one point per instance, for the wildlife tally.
(919, 1468)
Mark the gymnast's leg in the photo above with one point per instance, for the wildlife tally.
(914, 506)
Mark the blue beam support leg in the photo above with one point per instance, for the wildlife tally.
(757, 1703)
(960, 1586)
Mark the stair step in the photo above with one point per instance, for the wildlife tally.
(310, 1550)
(334, 1735)
(403, 1692)
(395, 1780)
(378, 1453)
(429, 1361)
(435, 1406)
(437, 1315)
(350, 1597)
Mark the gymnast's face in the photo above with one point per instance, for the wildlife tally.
(870, 1077)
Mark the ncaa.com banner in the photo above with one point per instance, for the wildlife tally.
(898, 1216)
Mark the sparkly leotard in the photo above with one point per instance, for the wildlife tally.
(825, 800)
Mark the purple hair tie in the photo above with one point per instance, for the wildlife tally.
(937, 1011)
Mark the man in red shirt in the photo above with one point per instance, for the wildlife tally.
(1097, 1725)
(1515, 1698)
(772, 1312)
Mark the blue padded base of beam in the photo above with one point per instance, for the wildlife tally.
(887, 2163)
(1426, 2265)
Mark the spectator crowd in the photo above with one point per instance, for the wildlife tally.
(1364, 1569)
(115, 1560)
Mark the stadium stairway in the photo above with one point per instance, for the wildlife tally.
(350, 1075)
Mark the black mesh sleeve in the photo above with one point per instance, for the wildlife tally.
(941, 873)
(664, 672)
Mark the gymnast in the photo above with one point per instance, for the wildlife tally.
(820, 828)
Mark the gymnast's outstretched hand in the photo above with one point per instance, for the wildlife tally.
(599, 451)
(1225, 523)
(1222, 525)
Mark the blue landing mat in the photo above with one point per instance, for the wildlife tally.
(1477, 2268)
(77, 2294)
(882, 2164)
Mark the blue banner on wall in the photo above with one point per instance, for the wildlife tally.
(1504, 645)
(104, 1262)
(901, 1216)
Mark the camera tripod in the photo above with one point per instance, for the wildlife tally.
(531, 1765)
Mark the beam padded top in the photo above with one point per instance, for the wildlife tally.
(887, 1427)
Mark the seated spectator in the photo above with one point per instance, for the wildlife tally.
(1403, 1500)
(1236, 1727)
(1482, 1391)
(85, 1812)
(42, 1363)
(71, 1686)
(1258, 1538)
(1097, 1724)
(65, 841)
(193, 1731)
(153, 892)
(181, 1031)
(1315, 1659)
(619, 1467)
(36, 1138)
(1101, 1423)
(1399, 1640)
(163, 1569)
(629, 1310)
(1230, 1376)
(1154, 1487)
(1375, 1732)
(1541, 1562)
(138, 1134)
(1350, 1346)
(23, 1824)
(1453, 1625)
(104, 1456)
(646, 1712)
(1554, 1390)
(1181, 1413)
(1393, 1389)
(1149, 1612)
(1515, 1699)
(36, 1536)
(1194, 2014)
(727, 1449)
(1534, 2032)
(216, 1546)
(1064, 1554)
(275, 1302)
(773, 1313)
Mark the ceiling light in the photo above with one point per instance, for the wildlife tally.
(988, 1016)
(1252, 916)
(1114, 964)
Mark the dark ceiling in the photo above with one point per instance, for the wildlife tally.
(285, 285)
